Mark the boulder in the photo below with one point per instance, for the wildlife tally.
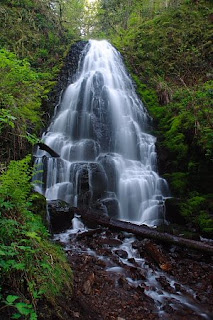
(60, 215)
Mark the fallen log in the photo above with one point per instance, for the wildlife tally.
(46, 148)
(146, 232)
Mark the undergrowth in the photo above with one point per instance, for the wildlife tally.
(32, 267)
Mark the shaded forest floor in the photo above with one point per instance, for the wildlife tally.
(118, 276)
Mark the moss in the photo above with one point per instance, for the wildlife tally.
(178, 182)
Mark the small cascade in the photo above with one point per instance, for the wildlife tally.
(107, 157)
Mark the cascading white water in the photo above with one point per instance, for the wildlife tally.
(107, 158)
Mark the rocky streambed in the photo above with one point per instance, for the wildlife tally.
(120, 276)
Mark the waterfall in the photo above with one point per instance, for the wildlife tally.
(107, 157)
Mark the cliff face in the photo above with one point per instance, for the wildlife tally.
(65, 77)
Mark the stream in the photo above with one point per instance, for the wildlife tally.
(119, 258)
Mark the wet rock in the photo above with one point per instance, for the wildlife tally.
(131, 260)
(88, 233)
(130, 293)
(165, 285)
(87, 287)
(60, 215)
(82, 184)
(158, 255)
(98, 180)
(90, 184)
(112, 206)
(110, 242)
(109, 166)
(177, 286)
(86, 149)
(121, 253)
(121, 236)
(99, 207)
(168, 309)
(139, 273)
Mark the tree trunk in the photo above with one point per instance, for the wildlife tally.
(46, 148)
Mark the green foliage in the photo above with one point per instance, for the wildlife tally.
(19, 87)
(205, 222)
(31, 266)
(32, 138)
(116, 18)
(23, 308)
(35, 36)
(34, 29)
(178, 182)
(195, 209)
(193, 205)
(6, 118)
(21, 91)
(15, 182)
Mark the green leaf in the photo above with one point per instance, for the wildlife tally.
(33, 235)
(10, 299)
(33, 316)
(24, 308)
(19, 266)
(16, 316)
